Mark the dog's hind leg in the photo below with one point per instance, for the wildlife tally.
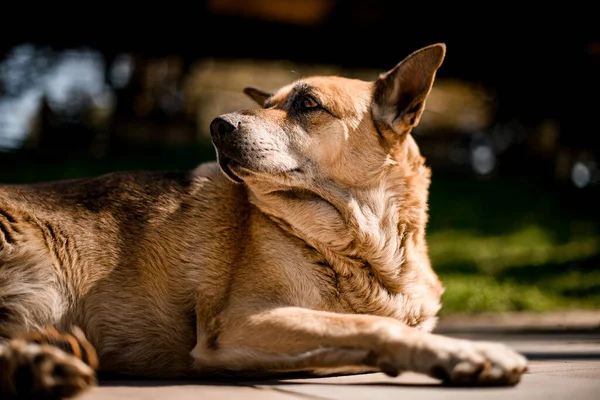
(35, 359)
(47, 364)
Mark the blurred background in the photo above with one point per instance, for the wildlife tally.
(510, 129)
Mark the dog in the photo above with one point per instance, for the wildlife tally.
(300, 249)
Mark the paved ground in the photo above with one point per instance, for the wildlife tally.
(564, 353)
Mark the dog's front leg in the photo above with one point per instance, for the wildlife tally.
(294, 339)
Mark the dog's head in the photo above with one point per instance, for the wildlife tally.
(327, 128)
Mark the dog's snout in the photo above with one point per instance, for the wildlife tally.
(221, 127)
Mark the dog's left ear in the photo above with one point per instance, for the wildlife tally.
(258, 95)
(399, 94)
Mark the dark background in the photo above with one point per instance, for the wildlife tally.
(532, 209)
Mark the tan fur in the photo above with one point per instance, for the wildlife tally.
(305, 251)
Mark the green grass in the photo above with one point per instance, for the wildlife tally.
(502, 247)
(522, 270)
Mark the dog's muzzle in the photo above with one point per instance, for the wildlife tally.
(224, 130)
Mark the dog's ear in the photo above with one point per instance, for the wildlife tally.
(258, 95)
(399, 94)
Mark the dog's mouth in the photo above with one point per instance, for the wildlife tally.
(225, 162)
(235, 169)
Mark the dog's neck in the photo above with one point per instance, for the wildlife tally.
(380, 226)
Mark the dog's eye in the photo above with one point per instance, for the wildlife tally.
(309, 102)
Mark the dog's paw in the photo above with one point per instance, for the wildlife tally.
(463, 362)
(41, 370)
(454, 361)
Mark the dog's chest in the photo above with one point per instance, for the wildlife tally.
(354, 288)
(325, 274)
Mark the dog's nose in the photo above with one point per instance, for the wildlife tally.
(221, 127)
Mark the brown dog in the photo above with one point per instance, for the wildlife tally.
(304, 251)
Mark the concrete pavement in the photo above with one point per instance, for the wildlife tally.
(564, 354)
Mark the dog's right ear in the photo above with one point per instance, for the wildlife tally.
(258, 95)
(399, 94)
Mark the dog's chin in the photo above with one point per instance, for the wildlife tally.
(225, 163)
